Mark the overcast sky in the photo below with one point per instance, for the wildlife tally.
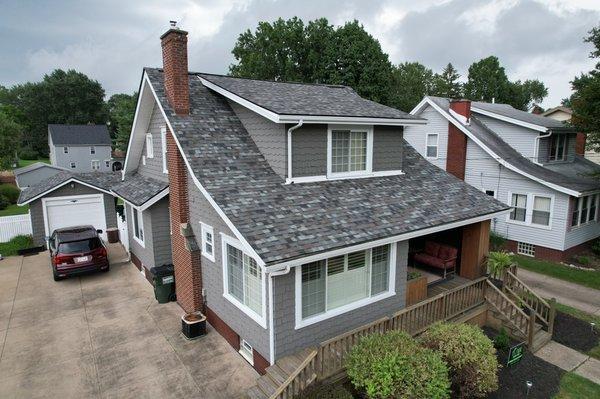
(111, 40)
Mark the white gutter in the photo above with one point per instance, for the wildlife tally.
(271, 326)
(289, 148)
(536, 148)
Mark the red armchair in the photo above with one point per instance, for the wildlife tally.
(440, 256)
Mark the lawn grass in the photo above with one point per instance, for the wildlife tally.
(573, 386)
(14, 209)
(588, 278)
(27, 162)
(594, 352)
(19, 242)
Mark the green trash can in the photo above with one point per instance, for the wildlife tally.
(164, 283)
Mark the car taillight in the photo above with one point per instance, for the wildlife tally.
(100, 252)
(60, 259)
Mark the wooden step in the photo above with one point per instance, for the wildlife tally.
(256, 393)
(541, 338)
(267, 385)
(277, 374)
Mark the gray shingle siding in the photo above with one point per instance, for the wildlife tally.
(309, 151)
(157, 238)
(144, 253)
(269, 137)
(37, 213)
(154, 167)
(288, 340)
(387, 148)
(212, 275)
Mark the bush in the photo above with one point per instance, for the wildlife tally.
(470, 356)
(596, 247)
(328, 392)
(10, 192)
(502, 341)
(28, 154)
(393, 365)
(498, 262)
(583, 260)
(4, 202)
(497, 241)
(13, 246)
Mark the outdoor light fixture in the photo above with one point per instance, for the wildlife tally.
(529, 385)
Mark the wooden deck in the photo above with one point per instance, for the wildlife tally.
(439, 287)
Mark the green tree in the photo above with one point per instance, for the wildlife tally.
(121, 110)
(10, 137)
(412, 81)
(487, 81)
(314, 53)
(61, 97)
(523, 95)
(446, 84)
(585, 100)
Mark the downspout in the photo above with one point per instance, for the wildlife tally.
(289, 150)
(271, 326)
(537, 147)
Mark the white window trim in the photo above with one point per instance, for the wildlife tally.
(204, 228)
(261, 319)
(529, 210)
(437, 145)
(300, 322)
(92, 150)
(248, 356)
(72, 165)
(579, 206)
(92, 164)
(140, 215)
(369, 162)
(107, 163)
(65, 150)
(163, 143)
(149, 145)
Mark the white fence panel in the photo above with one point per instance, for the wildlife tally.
(12, 226)
(123, 233)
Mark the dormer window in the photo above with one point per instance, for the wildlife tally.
(350, 151)
(558, 147)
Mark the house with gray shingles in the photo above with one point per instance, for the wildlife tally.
(80, 148)
(287, 209)
(31, 175)
(532, 163)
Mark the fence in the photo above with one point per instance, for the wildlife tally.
(12, 226)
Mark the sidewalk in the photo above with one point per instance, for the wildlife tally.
(570, 360)
(570, 294)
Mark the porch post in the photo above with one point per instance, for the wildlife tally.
(475, 248)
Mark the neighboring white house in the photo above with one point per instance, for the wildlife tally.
(527, 161)
(564, 114)
(80, 148)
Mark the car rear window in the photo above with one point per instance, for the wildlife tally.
(72, 247)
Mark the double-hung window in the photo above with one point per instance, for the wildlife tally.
(138, 225)
(66, 150)
(149, 146)
(519, 204)
(584, 210)
(541, 210)
(208, 241)
(163, 143)
(95, 165)
(92, 150)
(432, 145)
(243, 280)
(558, 147)
(341, 283)
(350, 151)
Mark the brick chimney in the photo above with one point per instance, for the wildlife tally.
(456, 157)
(175, 65)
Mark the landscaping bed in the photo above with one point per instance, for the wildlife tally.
(575, 333)
(19, 242)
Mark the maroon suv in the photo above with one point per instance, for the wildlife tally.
(76, 250)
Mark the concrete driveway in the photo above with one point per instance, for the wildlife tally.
(104, 336)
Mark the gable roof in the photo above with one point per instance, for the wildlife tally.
(303, 99)
(138, 190)
(35, 166)
(507, 111)
(284, 222)
(79, 134)
(561, 108)
(573, 178)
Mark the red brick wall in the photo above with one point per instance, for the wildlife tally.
(462, 107)
(456, 157)
(188, 274)
(175, 65)
(580, 144)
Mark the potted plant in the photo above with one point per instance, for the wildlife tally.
(193, 325)
(497, 263)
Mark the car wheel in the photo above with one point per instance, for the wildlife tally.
(57, 277)
(106, 270)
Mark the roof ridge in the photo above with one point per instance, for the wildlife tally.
(331, 85)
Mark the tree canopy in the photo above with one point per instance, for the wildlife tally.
(10, 136)
(121, 109)
(412, 81)
(447, 84)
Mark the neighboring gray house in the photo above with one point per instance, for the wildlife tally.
(291, 207)
(80, 148)
(527, 161)
(31, 175)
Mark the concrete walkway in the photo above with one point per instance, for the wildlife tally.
(570, 360)
(574, 295)
(104, 336)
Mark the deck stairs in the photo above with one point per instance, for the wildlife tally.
(277, 374)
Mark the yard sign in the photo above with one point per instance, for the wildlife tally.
(515, 354)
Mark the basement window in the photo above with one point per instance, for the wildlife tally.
(247, 351)
(526, 249)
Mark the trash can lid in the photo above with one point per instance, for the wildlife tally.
(162, 270)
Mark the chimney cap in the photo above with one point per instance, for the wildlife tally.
(173, 28)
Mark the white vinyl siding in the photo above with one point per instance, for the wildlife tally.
(416, 136)
(520, 138)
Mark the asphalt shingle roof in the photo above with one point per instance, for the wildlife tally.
(509, 111)
(285, 222)
(100, 180)
(79, 134)
(138, 189)
(305, 99)
(574, 175)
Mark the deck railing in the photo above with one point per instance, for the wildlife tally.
(509, 309)
(329, 359)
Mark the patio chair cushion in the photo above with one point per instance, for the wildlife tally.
(447, 253)
(432, 248)
(430, 260)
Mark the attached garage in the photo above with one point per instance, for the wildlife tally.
(69, 199)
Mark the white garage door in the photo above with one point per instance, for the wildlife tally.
(74, 211)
